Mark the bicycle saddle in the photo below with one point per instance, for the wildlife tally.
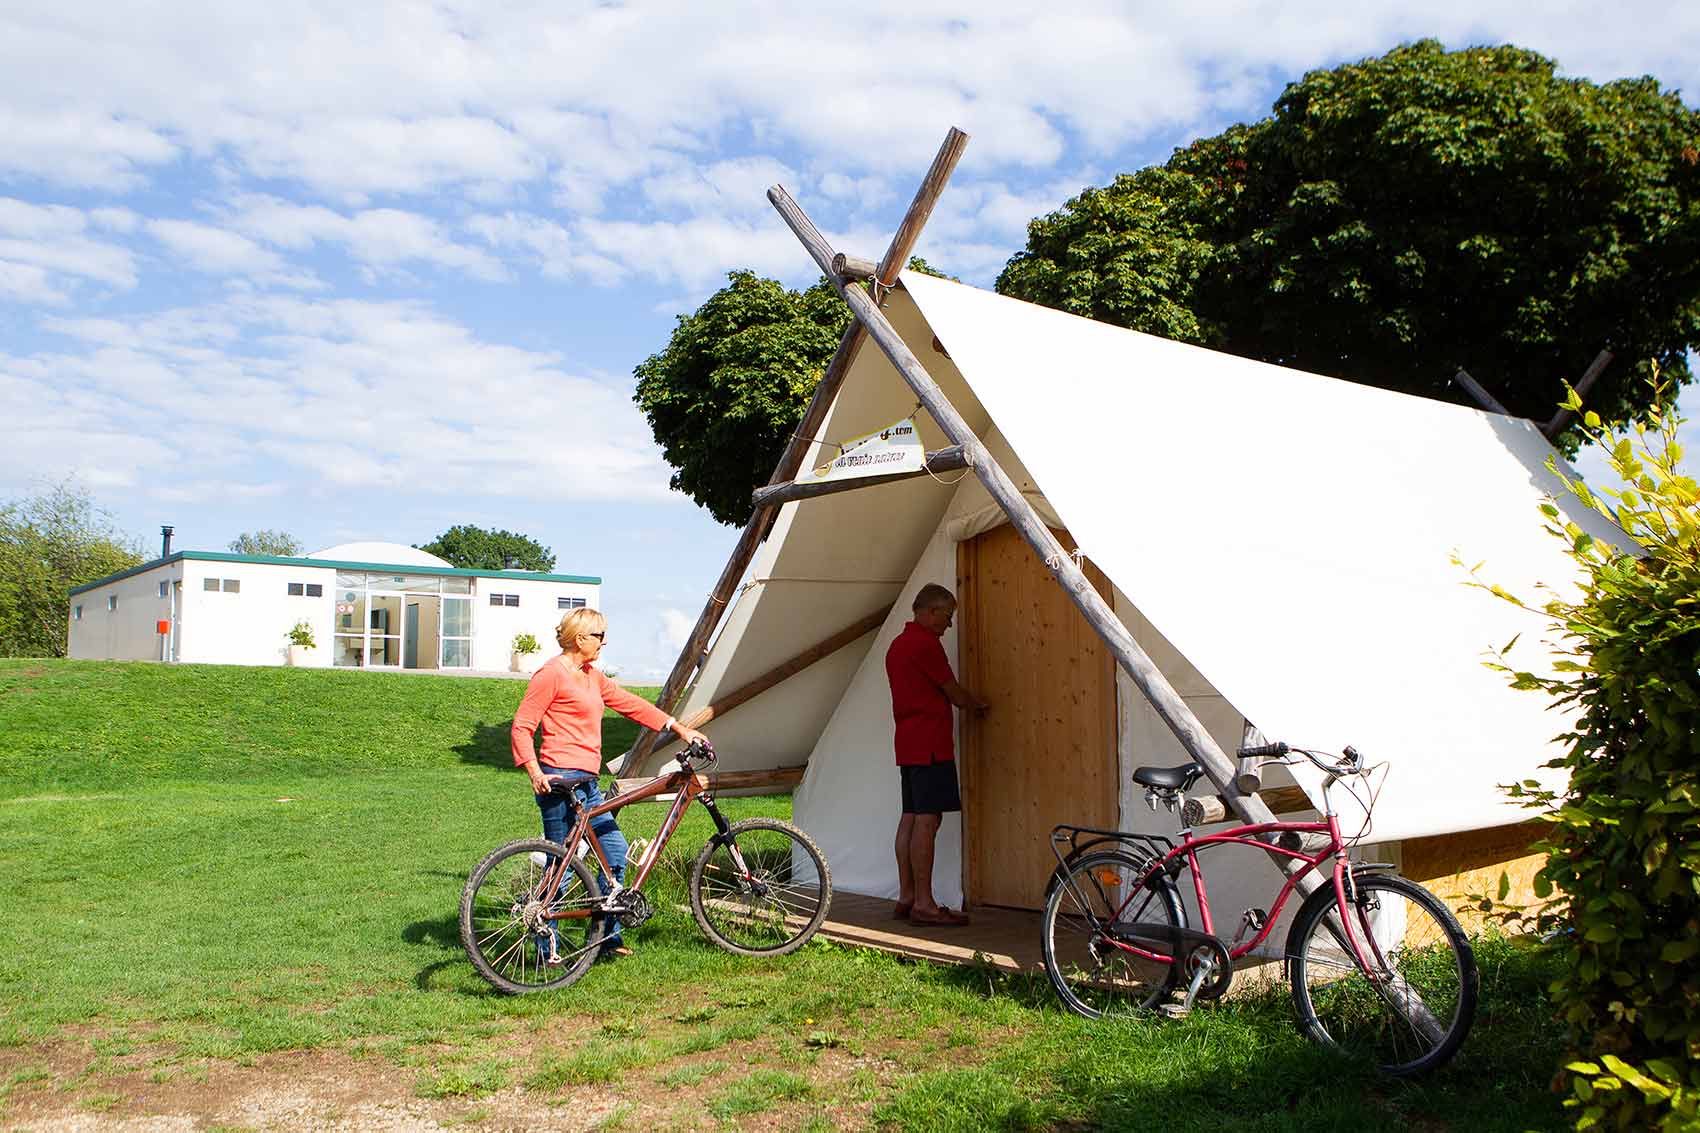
(1169, 778)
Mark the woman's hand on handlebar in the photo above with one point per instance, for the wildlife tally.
(689, 735)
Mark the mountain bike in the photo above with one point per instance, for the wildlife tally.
(1379, 967)
(534, 914)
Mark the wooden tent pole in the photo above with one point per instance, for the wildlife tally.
(1561, 419)
(788, 669)
(943, 460)
(719, 599)
(1174, 711)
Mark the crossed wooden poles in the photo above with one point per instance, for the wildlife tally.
(846, 273)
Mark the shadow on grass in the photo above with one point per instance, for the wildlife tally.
(488, 746)
(439, 930)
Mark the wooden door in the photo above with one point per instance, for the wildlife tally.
(1046, 752)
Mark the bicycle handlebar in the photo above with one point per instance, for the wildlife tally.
(1351, 762)
(697, 755)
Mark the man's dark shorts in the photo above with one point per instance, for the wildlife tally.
(930, 789)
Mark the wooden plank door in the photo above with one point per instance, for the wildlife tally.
(1046, 752)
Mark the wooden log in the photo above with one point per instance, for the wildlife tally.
(1475, 389)
(1201, 810)
(1249, 777)
(772, 780)
(902, 243)
(855, 631)
(944, 460)
(853, 267)
(1561, 420)
(896, 257)
(1128, 653)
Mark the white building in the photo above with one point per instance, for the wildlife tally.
(369, 605)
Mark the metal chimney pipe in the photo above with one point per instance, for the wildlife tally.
(164, 541)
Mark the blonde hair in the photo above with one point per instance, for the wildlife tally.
(582, 620)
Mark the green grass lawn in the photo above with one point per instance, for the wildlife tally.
(201, 863)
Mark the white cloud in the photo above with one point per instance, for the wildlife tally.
(216, 251)
(343, 395)
(46, 254)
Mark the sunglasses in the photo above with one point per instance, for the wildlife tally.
(602, 637)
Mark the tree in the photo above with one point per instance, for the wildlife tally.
(1401, 217)
(726, 394)
(266, 542)
(48, 544)
(474, 548)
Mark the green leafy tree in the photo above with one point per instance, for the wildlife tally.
(1401, 217)
(726, 394)
(266, 542)
(48, 544)
(1623, 842)
(474, 548)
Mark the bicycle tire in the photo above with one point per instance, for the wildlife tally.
(773, 909)
(1093, 978)
(1417, 1013)
(500, 925)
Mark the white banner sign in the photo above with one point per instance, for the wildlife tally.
(895, 448)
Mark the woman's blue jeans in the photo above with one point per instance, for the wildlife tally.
(561, 811)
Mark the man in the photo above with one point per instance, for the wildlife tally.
(923, 688)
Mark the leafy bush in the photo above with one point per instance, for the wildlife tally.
(525, 643)
(1623, 847)
(302, 634)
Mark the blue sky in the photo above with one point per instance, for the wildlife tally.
(367, 271)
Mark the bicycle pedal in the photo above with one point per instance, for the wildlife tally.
(1174, 1010)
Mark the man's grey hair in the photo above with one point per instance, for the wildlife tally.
(931, 595)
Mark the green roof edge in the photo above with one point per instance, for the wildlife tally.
(336, 564)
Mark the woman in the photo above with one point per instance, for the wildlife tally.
(567, 696)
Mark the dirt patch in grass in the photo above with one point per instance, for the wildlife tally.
(306, 1090)
(558, 1074)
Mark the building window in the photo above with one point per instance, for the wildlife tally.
(233, 586)
(315, 590)
(76, 613)
(296, 590)
(569, 603)
(165, 590)
(209, 584)
(112, 601)
(504, 599)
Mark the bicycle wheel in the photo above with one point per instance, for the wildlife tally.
(503, 918)
(1411, 1012)
(1093, 975)
(773, 902)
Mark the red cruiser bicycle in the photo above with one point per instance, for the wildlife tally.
(1379, 967)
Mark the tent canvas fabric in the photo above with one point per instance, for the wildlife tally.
(1286, 539)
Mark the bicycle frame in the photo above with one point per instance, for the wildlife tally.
(1258, 836)
(690, 787)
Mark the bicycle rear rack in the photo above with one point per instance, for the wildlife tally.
(1145, 847)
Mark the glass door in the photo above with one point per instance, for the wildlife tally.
(383, 638)
(457, 633)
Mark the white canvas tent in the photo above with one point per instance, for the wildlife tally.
(1280, 543)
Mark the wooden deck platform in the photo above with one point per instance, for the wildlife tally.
(1005, 938)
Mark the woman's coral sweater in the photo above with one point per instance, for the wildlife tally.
(568, 702)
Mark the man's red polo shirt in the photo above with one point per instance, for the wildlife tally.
(918, 670)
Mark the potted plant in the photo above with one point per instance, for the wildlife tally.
(525, 647)
(301, 641)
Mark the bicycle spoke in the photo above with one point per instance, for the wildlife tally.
(773, 902)
(1408, 1010)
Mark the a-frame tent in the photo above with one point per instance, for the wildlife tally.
(1280, 544)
